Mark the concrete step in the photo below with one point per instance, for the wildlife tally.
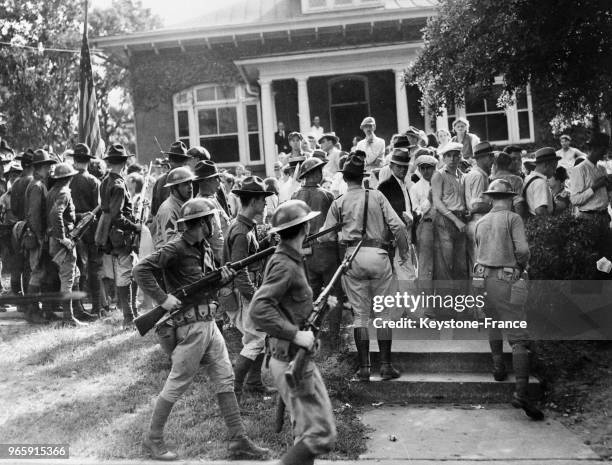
(448, 387)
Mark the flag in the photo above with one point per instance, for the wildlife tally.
(89, 126)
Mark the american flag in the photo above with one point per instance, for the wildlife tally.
(89, 126)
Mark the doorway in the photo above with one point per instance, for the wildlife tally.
(348, 104)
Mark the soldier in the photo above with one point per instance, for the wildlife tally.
(240, 243)
(60, 213)
(197, 339)
(475, 182)
(321, 258)
(36, 231)
(177, 157)
(116, 229)
(502, 253)
(209, 183)
(179, 181)
(367, 215)
(280, 307)
(85, 189)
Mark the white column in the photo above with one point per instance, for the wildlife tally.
(442, 120)
(303, 105)
(401, 103)
(428, 126)
(267, 122)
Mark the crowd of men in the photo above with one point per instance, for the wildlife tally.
(430, 212)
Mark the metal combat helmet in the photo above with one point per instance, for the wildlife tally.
(63, 170)
(196, 208)
(500, 188)
(291, 213)
(309, 165)
(179, 176)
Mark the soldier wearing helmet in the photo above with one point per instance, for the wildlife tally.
(502, 254)
(322, 257)
(191, 337)
(280, 307)
(177, 157)
(61, 219)
(179, 181)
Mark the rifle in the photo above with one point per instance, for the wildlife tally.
(143, 209)
(159, 146)
(79, 230)
(158, 316)
(313, 236)
(313, 323)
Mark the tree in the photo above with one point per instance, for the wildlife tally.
(562, 48)
(39, 86)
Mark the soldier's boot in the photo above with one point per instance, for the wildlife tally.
(241, 368)
(299, 454)
(240, 446)
(520, 361)
(497, 354)
(153, 443)
(362, 342)
(124, 296)
(33, 312)
(254, 382)
(79, 311)
(387, 371)
(135, 298)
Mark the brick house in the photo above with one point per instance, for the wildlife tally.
(224, 81)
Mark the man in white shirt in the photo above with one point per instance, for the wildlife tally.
(373, 146)
(316, 129)
(536, 191)
(328, 145)
(292, 184)
(568, 153)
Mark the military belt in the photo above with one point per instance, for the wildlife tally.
(193, 314)
(368, 243)
(505, 273)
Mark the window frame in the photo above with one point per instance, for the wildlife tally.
(512, 119)
(240, 102)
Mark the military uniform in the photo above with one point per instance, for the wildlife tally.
(191, 336)
(179, 157)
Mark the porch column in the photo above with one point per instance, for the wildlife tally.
(401, 103)
(267, 120)
(442, 120)
(303, 105)
(428, 126)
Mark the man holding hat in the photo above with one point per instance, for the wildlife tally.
(373, 146)
(85, 189)
(322, 257)
(177, 157)
(536, 190)
(280, 308)
(36, 215)
(292, 184)
(475, 182)
(420, 193)
(116, 229)
(502, 254)
(367, 215)
(328, 145)
(568, 153)
(241, 242)
(208, 181)
(191, 336)
(179, 181)
(450, 220)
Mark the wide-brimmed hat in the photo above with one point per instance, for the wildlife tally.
(205, 169)
(483, 149)
(26, 156)
(252, 185)
(62, 170)
(178, 150)
(599, 139)
(426, 160)
(42, 157)
(199, 152)
(546, 154)
(367, 120)
(400, 156)
(355, 163)
(291, 213)
(82, 152)
(500, 188)
(329, 136)
(310, 165)
(116, 153)
(450, 147)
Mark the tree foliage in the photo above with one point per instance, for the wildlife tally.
(39, 87)
(563, 48)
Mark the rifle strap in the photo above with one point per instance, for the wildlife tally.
(365, 215)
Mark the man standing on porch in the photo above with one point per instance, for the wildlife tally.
(316, 130)
(373, 146)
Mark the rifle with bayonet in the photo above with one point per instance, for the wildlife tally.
(313, 323)
(158, 316)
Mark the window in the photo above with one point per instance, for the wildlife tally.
(223, 119)
(497, 125)
(316, 6)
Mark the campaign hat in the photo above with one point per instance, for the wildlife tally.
(355, 163)
(42, 157)
(205, 169)
(252, 185)
(178, 150)
(116, 153)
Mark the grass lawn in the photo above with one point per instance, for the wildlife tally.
(94, 388)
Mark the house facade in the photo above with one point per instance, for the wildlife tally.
(226, 80)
